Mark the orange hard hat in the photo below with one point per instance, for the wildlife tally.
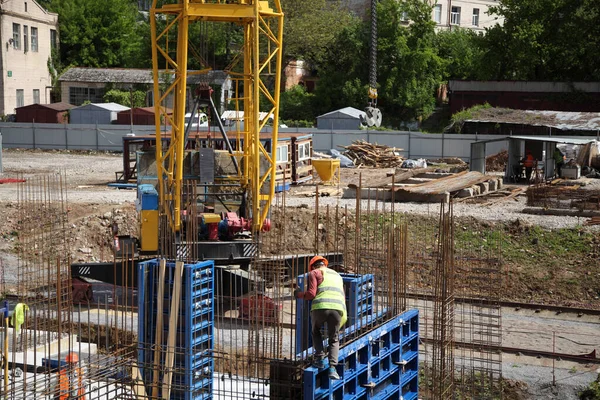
(317, 259)
(72, 358)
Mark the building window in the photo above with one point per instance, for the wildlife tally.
(53, 39)
(437, 13)
(20, 98)
(25, 38)
(16, 36)
(25, 6)
(79, 95)
(303, 151)
(282, 154)
(34, 39)
(476, 17)
(144, 5)
(455, 16)
(404, 16)
(36, 96)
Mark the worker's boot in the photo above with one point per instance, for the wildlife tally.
(318, 363)
(333, 373)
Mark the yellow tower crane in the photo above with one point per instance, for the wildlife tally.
(259, 76)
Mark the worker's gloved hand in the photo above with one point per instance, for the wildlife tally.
(297, 293)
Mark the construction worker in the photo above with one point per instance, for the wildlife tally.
(528, 162)
(325, 288)
(70, 380)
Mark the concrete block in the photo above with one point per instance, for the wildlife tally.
(493, 185)
(466, 192)
(381, 194)
(405, 196)
(484, 187)
(500, 184)
(433, 175)
(476, 190)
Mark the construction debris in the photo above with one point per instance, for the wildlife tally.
(399, 176)
(496, 162)
(373, 155)
(449, 161)
(592, 221)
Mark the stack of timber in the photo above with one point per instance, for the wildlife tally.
(373, 155)
(464, 184)
(423, 185)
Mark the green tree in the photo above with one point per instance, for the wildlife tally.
(296, 104)
(409, 68)
(136, 98)
(310, 28)
(97, 33)
(544, 40)
(461, 52)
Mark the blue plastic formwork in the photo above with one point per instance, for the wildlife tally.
(193, 365)
(359, 291)
(382, 364)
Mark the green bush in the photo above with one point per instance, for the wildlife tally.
(291, 123)
(297, 104)
(125, 97)
(592, 392)
(458, 119)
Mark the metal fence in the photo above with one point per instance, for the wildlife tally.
(109, 137)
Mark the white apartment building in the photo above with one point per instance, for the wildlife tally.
(27, 34)
(464, 14)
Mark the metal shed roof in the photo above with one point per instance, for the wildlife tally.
(346, 111)
(553, 139)
(53, 106)
(131, 75)
(562, 120)
(104, 106)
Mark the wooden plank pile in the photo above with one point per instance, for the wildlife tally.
(367, 154)
(464, 184)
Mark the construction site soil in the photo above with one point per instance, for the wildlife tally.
(548, 259)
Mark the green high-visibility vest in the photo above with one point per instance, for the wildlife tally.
(330, 294)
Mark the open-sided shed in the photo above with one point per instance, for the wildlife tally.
(55, 113)
(96, 113)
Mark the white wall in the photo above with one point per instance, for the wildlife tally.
(466, 13)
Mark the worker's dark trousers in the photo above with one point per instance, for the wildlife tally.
(333, 318)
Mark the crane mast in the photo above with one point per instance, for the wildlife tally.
(256, 73)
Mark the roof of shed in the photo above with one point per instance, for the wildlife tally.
(346, 111)
(562, 120)
(104, 106)
(131, 75)
(53, 106)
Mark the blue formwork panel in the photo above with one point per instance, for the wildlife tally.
(359, 291)
(193, 362)
(382, 364)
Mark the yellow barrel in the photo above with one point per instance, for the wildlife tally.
(328, 169)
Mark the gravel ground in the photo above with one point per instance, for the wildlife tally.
(509, 210)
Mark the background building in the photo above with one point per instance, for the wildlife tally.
(28, 33)
(449, 14)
